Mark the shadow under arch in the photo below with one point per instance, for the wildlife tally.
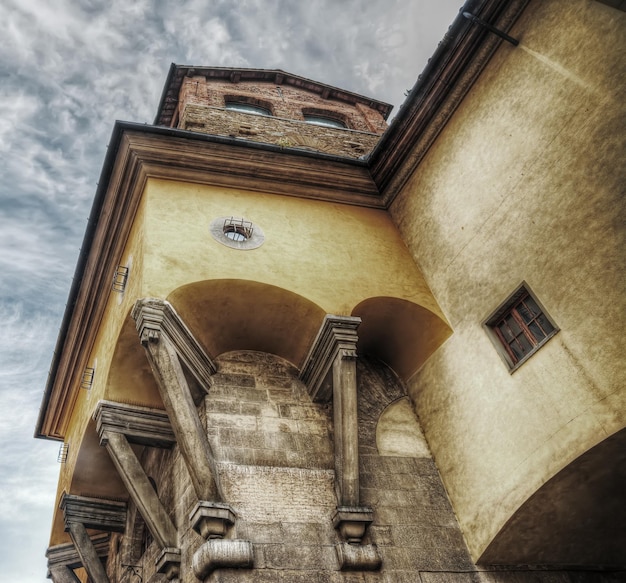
(130, 379)
(575, 519)
(399, 332)
(235, 314)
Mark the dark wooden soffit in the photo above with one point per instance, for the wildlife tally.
(136, 153)
(450, 73)
(169, 97)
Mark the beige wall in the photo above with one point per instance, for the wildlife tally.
(525, 183)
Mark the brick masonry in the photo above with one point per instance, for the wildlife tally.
(201, 109)
(274, 452)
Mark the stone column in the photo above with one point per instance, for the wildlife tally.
(81, 513)
(329, 371)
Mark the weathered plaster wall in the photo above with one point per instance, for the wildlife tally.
(526, 183)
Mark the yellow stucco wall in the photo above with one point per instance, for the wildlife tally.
(88, 469)
(334, 255)
(526, 183)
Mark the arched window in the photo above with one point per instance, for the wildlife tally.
(321, 120)
(244, 107)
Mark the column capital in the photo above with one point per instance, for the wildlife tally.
(141, 425)
(107, 515)
(156, 319)
(212, 519)
(337, 337)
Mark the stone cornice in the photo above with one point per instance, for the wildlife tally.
(107, 515)
(140, 425)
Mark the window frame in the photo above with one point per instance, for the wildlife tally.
(509, 307)
(247, 104)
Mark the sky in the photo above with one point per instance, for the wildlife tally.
(68, 70)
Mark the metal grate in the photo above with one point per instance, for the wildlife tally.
(237, 229)
(88, 375)
(63, 451)
(119, 279)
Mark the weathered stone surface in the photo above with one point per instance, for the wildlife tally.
(217, 553)
(356, 557)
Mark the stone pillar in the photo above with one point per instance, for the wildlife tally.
(329, 371)
(118, 426)
(81, 513)
(168, 344)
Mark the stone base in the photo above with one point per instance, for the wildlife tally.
(168, 563)
(222, 553)
(358, 557)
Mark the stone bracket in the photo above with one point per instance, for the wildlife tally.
(141, 425)
(336, 337)
(155, 318)
(168, 563)
(358, 557)
(212, 519)
(352, 522)
(219, 553)
(107, 515)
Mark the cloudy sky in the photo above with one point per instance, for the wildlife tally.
(68, 69)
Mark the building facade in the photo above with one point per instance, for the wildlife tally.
(303, 345)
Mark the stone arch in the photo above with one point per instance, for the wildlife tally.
(399, 332)
(378, 386)
(130, 379)
(576, 518)
(398, 432)
(235, 314)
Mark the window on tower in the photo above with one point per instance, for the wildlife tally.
(519, 327)
(246, 104)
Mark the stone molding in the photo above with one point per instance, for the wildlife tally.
(168, 563)
(155, 317)
(212, 519)
(107, 515)
(352, 522)
(141, 425)
(219, 553)
(336, 337)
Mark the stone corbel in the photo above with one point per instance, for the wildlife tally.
(120, 425)
(212, 520)
(81, 513)
(329, 371)
(63, 559)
